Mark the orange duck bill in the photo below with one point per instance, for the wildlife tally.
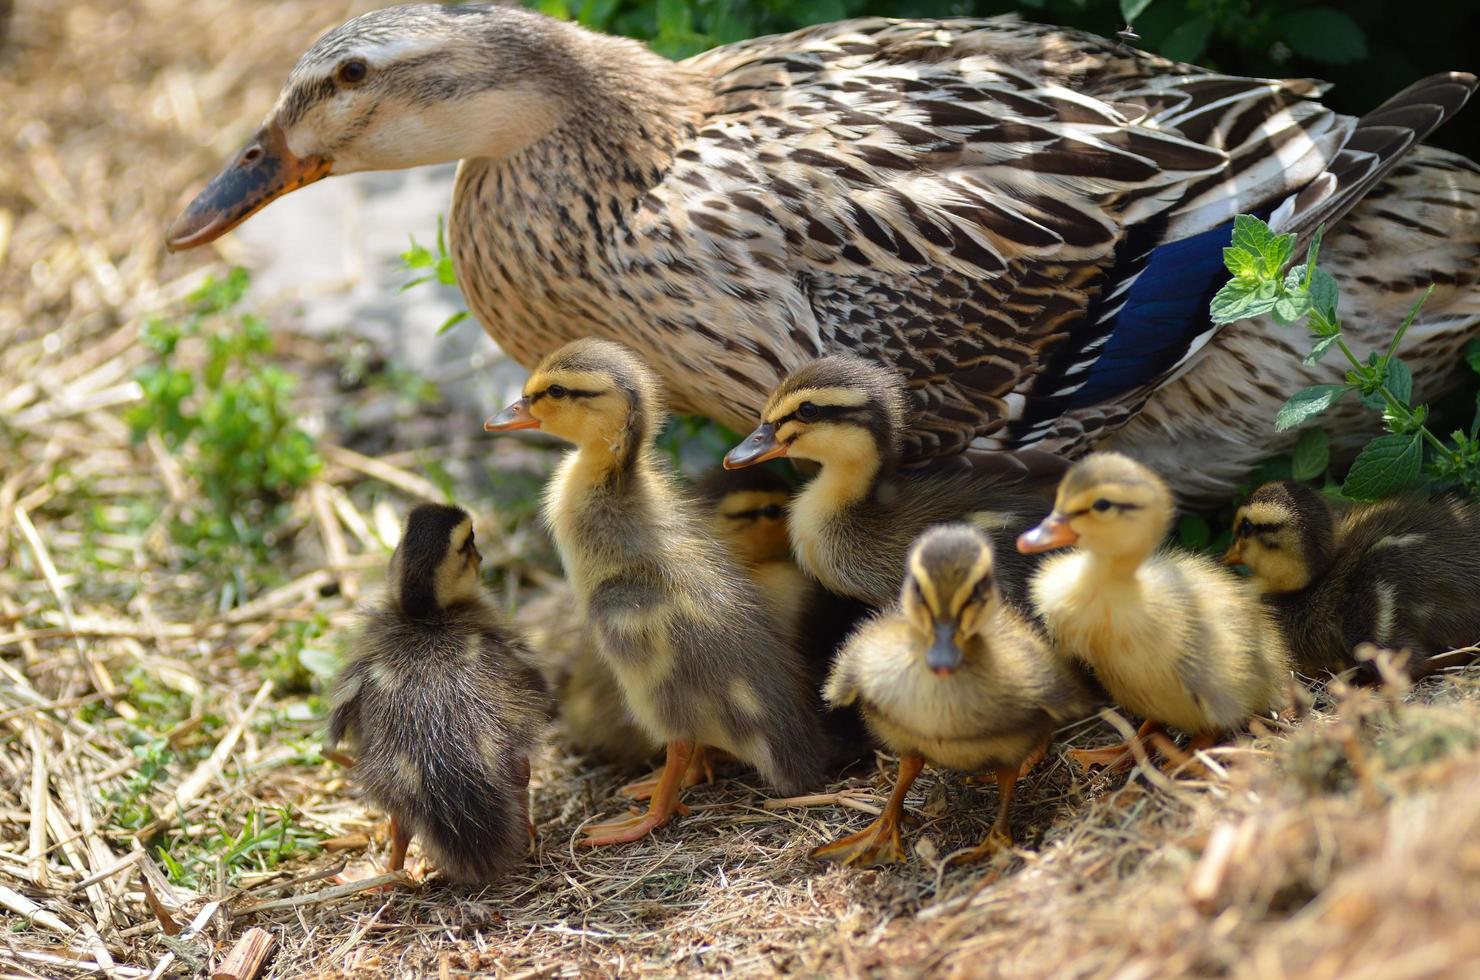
(1053, 532)
(516, 416)
(264, 170)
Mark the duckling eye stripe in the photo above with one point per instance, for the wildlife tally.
(569, 393)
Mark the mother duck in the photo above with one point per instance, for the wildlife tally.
(1026, 221)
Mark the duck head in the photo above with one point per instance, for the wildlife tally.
(394, 88)
(435, 564)
(1284, 534)
(949, 594)
(1107, 504)
(748, 512)
(837, 410)
(595, 394)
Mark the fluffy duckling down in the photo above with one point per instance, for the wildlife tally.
(443, 706)
(853, 523)
(699, 657)
(1402, 574)
(1172, 637)
(954, 676)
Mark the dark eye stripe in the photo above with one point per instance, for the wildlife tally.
(1118, 507)
(569, 393)
(824, 413)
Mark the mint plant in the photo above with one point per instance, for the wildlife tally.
(429, 266)
(1409, 455)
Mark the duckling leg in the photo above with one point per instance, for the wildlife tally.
(1000, 834)
(661, 807)
(700, 770)
(879, 842)
(1181, 761)
(1115, 757)
(400, 840)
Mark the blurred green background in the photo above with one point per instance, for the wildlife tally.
(1368, 48)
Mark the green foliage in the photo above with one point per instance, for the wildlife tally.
(1409, 455)
(433, 267)
(217, 402)
(262, 841)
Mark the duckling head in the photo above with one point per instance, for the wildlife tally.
(1283, 533)
(435, 565)
(396, 88)
(1107, 504)
(748, 512)
(596, 394)
(949, 593)
(835, 410)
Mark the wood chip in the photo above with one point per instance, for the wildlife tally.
(247, 957)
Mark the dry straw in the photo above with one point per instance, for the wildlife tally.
(1348, 848)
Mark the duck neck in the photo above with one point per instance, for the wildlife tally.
(1103, 569)
(535, 233)
(837, 487)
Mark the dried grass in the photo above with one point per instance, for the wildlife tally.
(1350, 847)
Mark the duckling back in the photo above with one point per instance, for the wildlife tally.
(444, 714)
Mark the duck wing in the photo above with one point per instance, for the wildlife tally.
(1028, 222)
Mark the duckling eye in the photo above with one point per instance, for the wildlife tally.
(1102, 505)
(352, 72)
(771, 511)
(1245, 528)
(556, 391)
(807, 412)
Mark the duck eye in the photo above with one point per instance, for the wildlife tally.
(352, 72)
(556, 391)
(1245, 528)
(771, 511)
(807, 412)
(1102, 505)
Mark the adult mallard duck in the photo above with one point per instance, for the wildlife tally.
(1026, 221)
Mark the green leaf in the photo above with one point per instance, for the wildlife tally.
(1399, 380)
(452, 321)
(1387, 464)
(1311, 251)
(418, 257)
(1312, 455)
(1317, 352)
(1324, 294)
(1131, 9)
(1189, 40)
(1241, 262)
(1323, 34)
(1472, 355)
(446, 274)
(1290, 307)
(1193, 532)
(1251, 234)
(1276, 253)
(674, 17)
(322, 664)
(1307, 403)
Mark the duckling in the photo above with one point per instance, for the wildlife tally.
(444, 706)
(700, 659)
(1402, 573)
(956, 677)
(748, 512)
(593, 714)
(852, 525)
(1172, 637)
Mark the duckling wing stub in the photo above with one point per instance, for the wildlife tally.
(1025, 237)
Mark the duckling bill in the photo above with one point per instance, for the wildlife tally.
(443, 705)
(699, 656)
(1402, 574)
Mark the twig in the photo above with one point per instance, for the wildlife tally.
(840, 798)
(24, 907)
(40, 800)
(416, 486)
(124, 864)
(327, 895)
(247, 957)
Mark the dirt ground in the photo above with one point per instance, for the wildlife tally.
(160, 789)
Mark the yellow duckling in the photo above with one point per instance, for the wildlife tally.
(700, 659)
(1403, 574)
(853, 523)
(1171, 636)
(444, 706)
(954, 676)
(748, 512)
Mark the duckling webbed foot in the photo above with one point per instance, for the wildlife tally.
(662, 805)
(1116, 758)
(1182, 762)
(999, 837)
(879, 842)
(700, 770)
